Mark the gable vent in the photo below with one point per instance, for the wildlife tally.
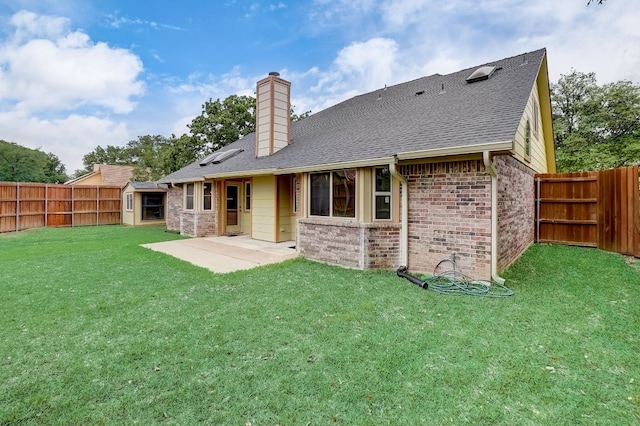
(219, 157)
(482, 73)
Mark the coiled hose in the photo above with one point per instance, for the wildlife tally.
(454, 281)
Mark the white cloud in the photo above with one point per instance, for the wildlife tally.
(70, 138)
(49, 67)
(59, 89)
(430, 34)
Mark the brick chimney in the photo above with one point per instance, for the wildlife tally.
(273, 123)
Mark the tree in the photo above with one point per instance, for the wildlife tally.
(145, 154)
(223, 122)
(595, 127)
(113, 155)
(180, 152)
(21, 164)
(55, 171)
(296, 117)
(219, 124)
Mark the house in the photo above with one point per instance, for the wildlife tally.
(404, 175)
(143, 204)
(105, 174)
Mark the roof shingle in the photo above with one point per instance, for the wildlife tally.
(434, 112)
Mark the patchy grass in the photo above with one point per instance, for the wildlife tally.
(98, 330)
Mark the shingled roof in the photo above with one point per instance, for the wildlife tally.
(438, 112)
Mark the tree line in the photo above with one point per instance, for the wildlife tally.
(595, 127)
(220, 123)
(21, 164)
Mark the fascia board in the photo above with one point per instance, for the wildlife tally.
(461, 150)
(334, 166)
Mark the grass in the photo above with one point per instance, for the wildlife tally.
(95, 329)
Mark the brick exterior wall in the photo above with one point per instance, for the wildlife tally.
(348, 243)
(191, 222)
(174, 207)
(449, 212)
(516, 209)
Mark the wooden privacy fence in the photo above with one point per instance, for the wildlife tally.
(35, 205)
(594, 209)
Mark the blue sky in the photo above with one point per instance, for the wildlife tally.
(76, 74)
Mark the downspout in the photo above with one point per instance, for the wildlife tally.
(488, 165)
(404, 214)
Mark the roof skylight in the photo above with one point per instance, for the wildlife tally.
(482, 73)
(218, 157)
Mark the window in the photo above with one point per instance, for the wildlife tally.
(294, 194)
(247, 195)
(535, 116)
(527, 141)
(382, 195)
(206, 195)
(333, 194)
(153, 206)
(129, 202)
(188, 198)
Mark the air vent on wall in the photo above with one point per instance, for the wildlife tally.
(482, 73)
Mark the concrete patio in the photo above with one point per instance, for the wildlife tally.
(226, 254)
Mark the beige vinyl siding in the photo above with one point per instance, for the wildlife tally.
(364, 194)
(537, 159)
(280, 116)
(264, 119)
(246, 214)
(95, 179)
(263, 208)
(128, 217)
(272, 129)
(285, 221)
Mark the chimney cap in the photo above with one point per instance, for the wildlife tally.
(275, 73)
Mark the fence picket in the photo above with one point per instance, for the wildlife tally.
(593, 209)
(34, 205)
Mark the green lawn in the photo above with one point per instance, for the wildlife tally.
(95, 329)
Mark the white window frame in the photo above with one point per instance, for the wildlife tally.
(377, 194)
(205, 195)
(527, 140)
(187, 196)
(129, 202)
(247, 196)
(536, 112)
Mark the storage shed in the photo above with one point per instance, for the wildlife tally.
(144, 204)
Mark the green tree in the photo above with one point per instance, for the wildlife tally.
(113, 155)
(219, 124)
(296, 117)
(55, 171)
(180, 152)
(145, 154)
(223, 122)
(595, 127)
(21, 164)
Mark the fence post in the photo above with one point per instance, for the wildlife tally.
(46, 205)
(538, 210)
(97, 205)
(17, 206)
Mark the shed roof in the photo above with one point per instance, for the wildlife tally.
(437, 112)
(146, 186)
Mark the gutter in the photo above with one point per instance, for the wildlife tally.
(404, 221)
(488, 164)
